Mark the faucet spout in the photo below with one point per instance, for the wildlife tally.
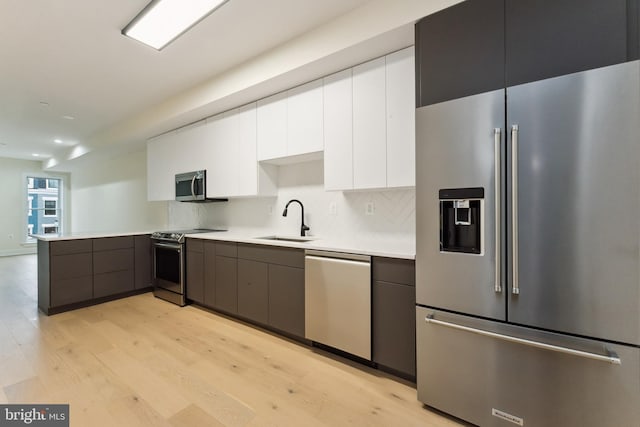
(303, 228)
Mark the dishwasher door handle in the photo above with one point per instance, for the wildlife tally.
(338, 260)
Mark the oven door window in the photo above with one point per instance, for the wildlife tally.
(168, 263)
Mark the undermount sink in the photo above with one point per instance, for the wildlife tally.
(297, 239)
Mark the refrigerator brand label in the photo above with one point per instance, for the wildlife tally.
(508, 417)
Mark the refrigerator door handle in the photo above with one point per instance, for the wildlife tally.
(498, 197)
(611, 356)
(514, 207)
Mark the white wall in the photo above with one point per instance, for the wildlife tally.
(394, 217)
(111, 196)
(13, 193)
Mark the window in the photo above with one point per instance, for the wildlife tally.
(50, 206)
(44, 213)
(49, 229)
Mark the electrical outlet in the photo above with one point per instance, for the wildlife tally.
(10, 236)
(370, 208)
(333, 208)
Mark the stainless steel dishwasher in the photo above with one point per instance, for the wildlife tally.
(338, 301)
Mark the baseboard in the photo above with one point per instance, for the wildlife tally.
(19, 251)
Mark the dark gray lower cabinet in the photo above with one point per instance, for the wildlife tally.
(142, 246)
(113, 266)
(286, 299)
(195, 270)
(80, 272)
(393, 311)
(226, 284)
(253, 290)
(71, 272)
(210, 273)
(264, 284)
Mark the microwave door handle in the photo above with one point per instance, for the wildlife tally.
(193, 183)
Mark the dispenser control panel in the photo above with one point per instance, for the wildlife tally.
(461, 211)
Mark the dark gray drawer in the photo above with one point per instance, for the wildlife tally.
(394, 270)
(65, 247)
(228, 249)
(116, 260)
(68, 291)
(70, 266)
(112, 283)
(272, 254)
(195, 245)
(110, 243)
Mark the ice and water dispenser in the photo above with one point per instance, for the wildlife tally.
(461, 220)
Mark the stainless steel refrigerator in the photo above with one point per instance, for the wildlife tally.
(528, 252)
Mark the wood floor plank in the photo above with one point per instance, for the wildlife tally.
(141, 361)
(156, 392)
(194, 416)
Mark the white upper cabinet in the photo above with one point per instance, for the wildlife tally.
(251, 178)
(160, 164)
(369, 125)
(225, 146)
(304, 119)
(338, 131)
(401, 113)
(290, 123)
(272, 127)
(362, 118)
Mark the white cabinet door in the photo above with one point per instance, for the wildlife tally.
(304, 119)
(247, 162)
(369, 125)
(211, 149)
(272, 126)
(160, 174)
(401, 110)
(338, 131)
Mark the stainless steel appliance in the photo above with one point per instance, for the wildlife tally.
(192, 187)
(169, 259)
(338, 301)
(528, 252)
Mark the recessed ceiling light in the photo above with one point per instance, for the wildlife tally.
(162, 21)
(36, 155)
(68, 117)
(57, 141)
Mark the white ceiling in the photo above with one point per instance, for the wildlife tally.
(70, 54)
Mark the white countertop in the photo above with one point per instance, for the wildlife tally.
(389, 246)
(383, 247)
(87, 235)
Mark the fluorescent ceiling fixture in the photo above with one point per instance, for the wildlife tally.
(57, 141)
(162, 21)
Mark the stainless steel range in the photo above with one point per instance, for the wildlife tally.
(169, 279)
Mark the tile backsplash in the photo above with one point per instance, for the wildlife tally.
(353, 216)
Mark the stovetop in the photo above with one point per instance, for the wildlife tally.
(178, 235)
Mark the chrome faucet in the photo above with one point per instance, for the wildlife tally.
(303, 227)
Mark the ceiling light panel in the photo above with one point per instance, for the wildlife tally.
(161, 21)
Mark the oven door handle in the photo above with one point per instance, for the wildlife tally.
(177, 248)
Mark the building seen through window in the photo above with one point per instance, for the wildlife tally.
(44, 215)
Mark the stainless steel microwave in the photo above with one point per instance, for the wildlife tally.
(192, 187)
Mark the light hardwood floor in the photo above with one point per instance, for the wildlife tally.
(141, 361)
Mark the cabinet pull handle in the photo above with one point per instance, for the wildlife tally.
(497, 195)
(514, 207)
